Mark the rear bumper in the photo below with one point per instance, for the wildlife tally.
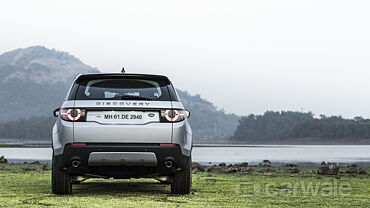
(122, 160)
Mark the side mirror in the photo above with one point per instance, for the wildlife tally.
(56, 112)
(187, 113)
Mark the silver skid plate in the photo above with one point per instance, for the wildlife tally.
(122, 158)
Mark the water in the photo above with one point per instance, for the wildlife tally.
(282, 154)
(302, 154)
(20, 155)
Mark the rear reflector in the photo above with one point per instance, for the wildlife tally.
(77, 144)
(167, 145)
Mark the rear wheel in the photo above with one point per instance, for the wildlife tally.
(181, 182)
(60, 180)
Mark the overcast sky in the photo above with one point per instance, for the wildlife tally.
(244, 56)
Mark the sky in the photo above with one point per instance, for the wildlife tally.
(244, 56)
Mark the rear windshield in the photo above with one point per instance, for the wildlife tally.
(120, 88)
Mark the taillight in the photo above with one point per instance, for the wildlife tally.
(173, 115)
(72, 114)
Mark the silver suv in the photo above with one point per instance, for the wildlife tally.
(121, 126)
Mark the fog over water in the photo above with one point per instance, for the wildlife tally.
(245, 56)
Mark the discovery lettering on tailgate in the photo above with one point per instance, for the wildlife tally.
(123, 103)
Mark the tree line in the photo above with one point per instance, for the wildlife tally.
(289, 125)
(269, 126)
(34, 128)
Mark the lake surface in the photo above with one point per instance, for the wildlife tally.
(277, 154)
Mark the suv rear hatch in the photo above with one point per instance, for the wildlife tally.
(122, 109)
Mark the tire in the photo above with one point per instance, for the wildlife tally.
(181, 181)
(60, 180)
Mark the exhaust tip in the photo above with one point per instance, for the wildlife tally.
(75, 163)
(168, 164)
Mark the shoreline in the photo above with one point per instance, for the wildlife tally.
(29, 152)
(275, 164)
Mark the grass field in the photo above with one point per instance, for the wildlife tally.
(20, 188)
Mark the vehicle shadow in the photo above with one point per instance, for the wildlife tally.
(120, 187)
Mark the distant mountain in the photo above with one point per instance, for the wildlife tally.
(35, 80)
(40, 65)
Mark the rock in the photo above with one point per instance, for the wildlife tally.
(35, 163)
(29, 169)
(265, 163)
(293, 170)
(328, 169)
(216, 170)
(3, 160)
(243, 164)
(232, 170)
(3, 168)
(195, 170)
(362, 171)
(198, 170)
(222, 164)
(195, 164)
(323, 169)
(45, 167)
(354, 165)
(201, 169)
(310, 172)
(246, 170)
(291, 165)
(196, 167)
(265, 170)
(353, 170)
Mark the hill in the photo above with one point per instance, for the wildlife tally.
(35, 80)
(208, 122)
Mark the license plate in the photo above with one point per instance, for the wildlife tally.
(123, 117)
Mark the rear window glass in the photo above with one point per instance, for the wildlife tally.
(122, 89)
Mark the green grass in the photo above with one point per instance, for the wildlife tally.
(19, 188)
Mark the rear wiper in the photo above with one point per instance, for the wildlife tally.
(132, 97)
